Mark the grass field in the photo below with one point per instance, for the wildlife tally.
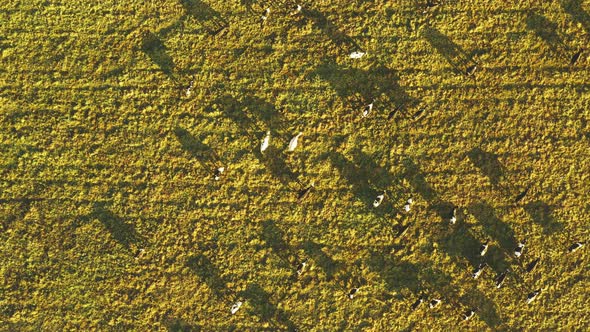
(110, 218)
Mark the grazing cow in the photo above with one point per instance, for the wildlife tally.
(352, 292)
(403, 229)
(519, 248)
(379, 199)
(408, 205)
(297, 9)
(453, 216)
(367, 109)
(218, 172)
(531, 266)
(434, 303)
(501, 278)
(304, 192)
(478, 270)
(419, 114)
(470, 70)
(468, 314)
(265, 142)
(189, 89)
(301, 268)
(357, 55)
(265, 14)
(575, 246)
(483, 248)
(417, 303)
(294, 141)
(576, 56)
(532, 296)
(235, 307)
(430, 4)
(521, 195)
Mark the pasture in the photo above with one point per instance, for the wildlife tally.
(110, 218)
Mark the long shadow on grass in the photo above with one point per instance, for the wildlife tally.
(274, 237)
(121, 231)
(494, 226)
(338, 37)
(156, 50)
(262, 306)
(357, 177)
(328, 265)
(486, 309)
(358, 86)
(208, 273)
(211, 19)
(542, 214)
(199, 150)
(452, 52)
(547, 31)
(574, 8)
(488, 163)
(180, 325)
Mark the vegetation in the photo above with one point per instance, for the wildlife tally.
(111, 219)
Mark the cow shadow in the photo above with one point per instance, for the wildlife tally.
(574, 8)
(453, 53)
(542, 214)
(360, 87)
(547, 31)
(156, 51)
(197, 149)
(262, 306)
(488, 164)
(211, 19)
(339, 38)
(122, 232)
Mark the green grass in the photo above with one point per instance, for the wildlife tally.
(103, 154)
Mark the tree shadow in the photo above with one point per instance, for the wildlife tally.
(542, 214)
(274, 237)
(398, 275)
(575, 9)
(261, 305)
(179, 325)
(488, 163)
(547, 31)
(339, 38)
(208, 273)
(156, 50)
(264, 111)
(199, 150)
(124, 233)
(360, 87)
(493, 225)
(328, 265)
(357, 177)
(418, 181)
(453, 53)
(486, 309)
(211, 19)
(461, 244)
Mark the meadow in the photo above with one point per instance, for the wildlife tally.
(110, 219)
